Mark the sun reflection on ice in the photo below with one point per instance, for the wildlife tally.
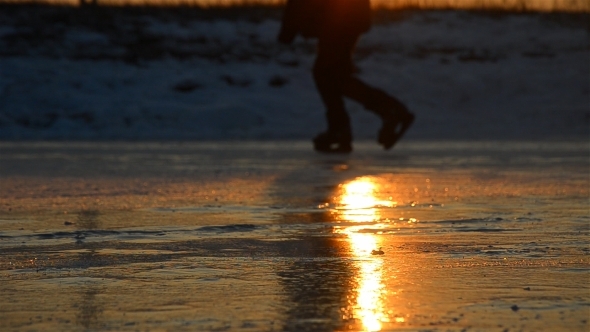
(358, 203)
(369, 302)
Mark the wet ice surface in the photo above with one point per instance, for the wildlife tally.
(271, 236)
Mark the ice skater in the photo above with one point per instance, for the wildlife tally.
(337, 24)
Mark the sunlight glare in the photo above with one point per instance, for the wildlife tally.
(358, 203)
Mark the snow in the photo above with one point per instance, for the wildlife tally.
(146, 76)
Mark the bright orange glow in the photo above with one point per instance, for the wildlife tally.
(369, 302)
(358, 201)
(358, 204)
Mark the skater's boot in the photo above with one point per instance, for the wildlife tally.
(338, 137)
(394, 114)
(394, 127)
(333, 142)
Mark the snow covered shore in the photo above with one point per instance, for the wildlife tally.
(117, 73)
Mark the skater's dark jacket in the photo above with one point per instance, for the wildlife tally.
(324, 18)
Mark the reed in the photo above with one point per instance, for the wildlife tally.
(507, 5)
(582, 6)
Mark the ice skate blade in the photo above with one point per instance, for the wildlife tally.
(332, 143)
(335, 148)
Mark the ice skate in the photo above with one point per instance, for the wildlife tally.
(333, 142)
(394, 128)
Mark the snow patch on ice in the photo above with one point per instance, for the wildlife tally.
(466, 76)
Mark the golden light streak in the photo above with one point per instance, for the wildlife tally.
(358, 203)
(369, 306)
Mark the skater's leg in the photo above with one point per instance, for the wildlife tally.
(394, 114)
(373, 99)
(338, 136)
(331, 71)
(328, 83)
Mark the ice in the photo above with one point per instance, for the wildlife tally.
(251, 236)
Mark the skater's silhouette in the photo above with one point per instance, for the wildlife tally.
(337, 24)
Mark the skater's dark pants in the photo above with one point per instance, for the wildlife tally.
(333, 75)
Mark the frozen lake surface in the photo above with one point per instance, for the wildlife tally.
(269, 236)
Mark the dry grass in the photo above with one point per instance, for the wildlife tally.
(504, 5)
